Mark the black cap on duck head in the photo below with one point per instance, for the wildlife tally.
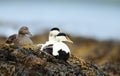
(24, 30)
(55, 28)
(63, 37)
(61, 34)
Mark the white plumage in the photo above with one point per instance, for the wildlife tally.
(60, 46)
(47, 44)
(53, 33)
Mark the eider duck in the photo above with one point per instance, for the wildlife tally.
(20, 39)
(60, 50)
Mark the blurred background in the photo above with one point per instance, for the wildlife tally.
(93, 25)
(90, 18)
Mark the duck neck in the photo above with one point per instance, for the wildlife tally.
(21, 35)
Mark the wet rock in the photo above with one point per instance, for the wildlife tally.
(111, 69)
(31, 62)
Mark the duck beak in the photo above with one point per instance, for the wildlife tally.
(29, 34)
(69, 40)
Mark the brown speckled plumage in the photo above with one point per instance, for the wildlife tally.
(20, 39)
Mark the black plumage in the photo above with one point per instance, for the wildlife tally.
(62, 55)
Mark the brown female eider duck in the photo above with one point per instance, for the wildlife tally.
(20, 39)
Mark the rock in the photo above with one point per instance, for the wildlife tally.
(111, 69)
(31, 62)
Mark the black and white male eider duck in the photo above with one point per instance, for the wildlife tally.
(60, 50)
(20, 39)
(52, 34)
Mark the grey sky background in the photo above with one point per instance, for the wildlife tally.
(97, 19)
